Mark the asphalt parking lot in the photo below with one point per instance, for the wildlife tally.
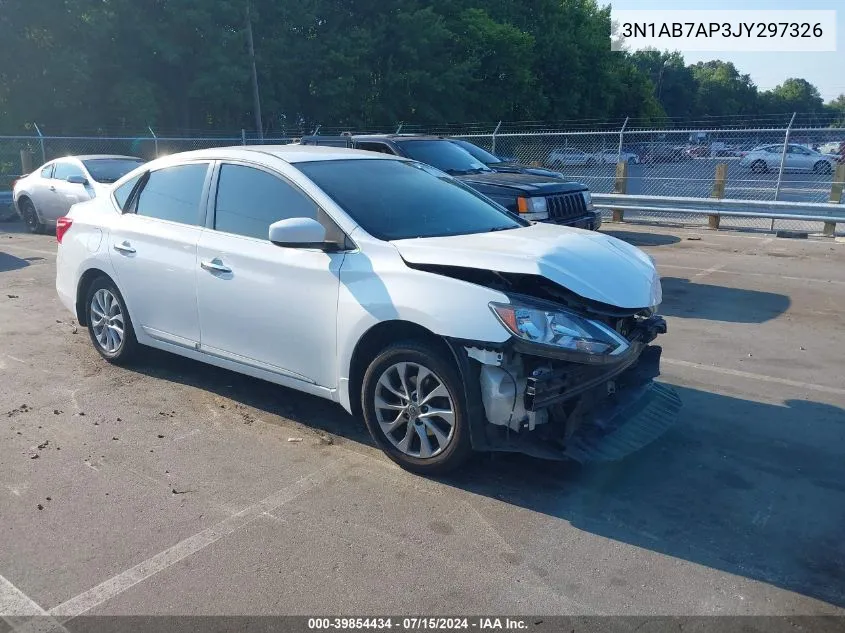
(175, 488)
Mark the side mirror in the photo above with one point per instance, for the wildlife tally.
(77, 180)
(298, 233)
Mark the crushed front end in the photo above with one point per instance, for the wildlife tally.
(572, 384)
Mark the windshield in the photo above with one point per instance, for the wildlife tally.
(444, 155)
(404, 199)
(481, 154)
(110, 169)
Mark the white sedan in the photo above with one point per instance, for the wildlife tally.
(381, 284)
(612, 156)
(797, 158)
(49, 192)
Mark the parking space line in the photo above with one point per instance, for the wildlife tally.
(27, 249)
(749, 274)
(709, 271)
(116, 585)
(23, 614)
(15, 603)
(761, 377)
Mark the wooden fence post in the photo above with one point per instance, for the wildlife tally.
(26, 161)
(836, 189)
(718, 192)
(620, 186)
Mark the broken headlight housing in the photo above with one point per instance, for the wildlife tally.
(554, 326)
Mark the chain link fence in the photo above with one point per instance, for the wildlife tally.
(787, 163)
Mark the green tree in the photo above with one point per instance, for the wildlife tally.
(793, 95)
(722, 91)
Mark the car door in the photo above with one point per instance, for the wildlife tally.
(804, 159)
(42, 191)
(266, 306)
(67, 194)
(153, 248)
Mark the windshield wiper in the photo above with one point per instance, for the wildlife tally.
(502, 228)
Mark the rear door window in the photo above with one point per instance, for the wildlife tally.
(173, 193)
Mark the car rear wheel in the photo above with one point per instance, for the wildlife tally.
(822, 167)
(30, 217)
(759, 167)
(109, 325)
(415, 409)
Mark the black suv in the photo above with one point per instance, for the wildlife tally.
(534, 197)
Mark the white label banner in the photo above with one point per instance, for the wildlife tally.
(724, 30)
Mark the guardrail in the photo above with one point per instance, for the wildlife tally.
(715, 208)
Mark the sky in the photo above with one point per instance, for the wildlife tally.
(824, 70)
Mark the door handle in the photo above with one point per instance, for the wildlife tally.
(215, 266)
(52, 188)
(124, 247)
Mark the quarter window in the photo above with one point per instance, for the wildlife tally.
(47, 172)
(121, 194)
(173, 193)
(249, 200)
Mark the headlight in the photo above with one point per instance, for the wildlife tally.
(559, 328)
(588, 200)
(531, 205)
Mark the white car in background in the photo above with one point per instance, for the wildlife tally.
(612, 156)
(382, 284)
(49, 192)
(798, 158)
(569, 158)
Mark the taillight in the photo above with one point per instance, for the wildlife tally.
(62, 226)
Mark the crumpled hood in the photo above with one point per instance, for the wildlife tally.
(590, 264)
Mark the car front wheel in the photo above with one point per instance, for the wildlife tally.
(759, 167)
(414, 407)
(109, 325)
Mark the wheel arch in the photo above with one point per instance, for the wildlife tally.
(375, 340)
(85, 281)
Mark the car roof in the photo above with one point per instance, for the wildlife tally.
(292, 153)
(98, 157)
(400, 137)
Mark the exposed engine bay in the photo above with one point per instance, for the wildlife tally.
(546, 402)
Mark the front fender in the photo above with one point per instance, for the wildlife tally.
(447, 307)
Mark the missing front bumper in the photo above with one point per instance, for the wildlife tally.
(586, 414)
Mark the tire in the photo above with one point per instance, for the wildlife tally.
(759, 167)
(30, 217)
(103, 298)
(411, 436)
(822, 167)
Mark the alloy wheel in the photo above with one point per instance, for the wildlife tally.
(414, 410)
(107, 321)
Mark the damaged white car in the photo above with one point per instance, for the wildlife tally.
(384, 285)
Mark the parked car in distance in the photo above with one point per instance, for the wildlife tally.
(381, 284)
(567, 157)
(501, 165)
(664, 154)
(7, 201)
(612, 156)
(797, 158)
(533, 197)
(48, 193)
